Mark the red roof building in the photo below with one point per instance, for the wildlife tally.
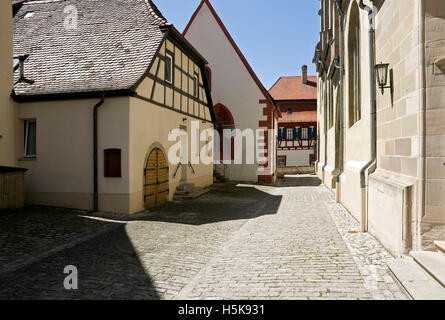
(297, 128)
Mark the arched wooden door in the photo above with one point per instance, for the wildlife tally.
(156, 187)
(224, 120)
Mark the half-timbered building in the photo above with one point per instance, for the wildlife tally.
(241, 101)
(297, 128)
(100, 87)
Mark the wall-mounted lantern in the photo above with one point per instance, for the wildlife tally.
(382, 77)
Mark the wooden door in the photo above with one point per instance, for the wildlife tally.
(156, 187)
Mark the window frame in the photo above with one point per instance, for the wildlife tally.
(168, 56)
(291, 131)
(196, 85)
(282, 157)
(354, 73)
(15, 63)
(25, 151)
(304, 133)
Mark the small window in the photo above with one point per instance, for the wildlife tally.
(289, 111)
(112, 163)
(305, 133)
(169, 68)
(15, 63)
(29, 14)
(290, 134)
(282, 161)
(196, 86)
(30, 139)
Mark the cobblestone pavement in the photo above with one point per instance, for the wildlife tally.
(238, 242)
(29, 232)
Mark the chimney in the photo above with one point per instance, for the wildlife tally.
(304, 73)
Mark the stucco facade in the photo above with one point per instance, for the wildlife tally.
(66, 168)
(402, 203)
(7, 109)
(235, 86)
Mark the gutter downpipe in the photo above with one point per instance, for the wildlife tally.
(417, 242)
(95, 157)
(373, 118)
(338, 4)
(325, 110)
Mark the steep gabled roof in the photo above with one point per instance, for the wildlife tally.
(110, 50)
(266, 94)
(293, 88)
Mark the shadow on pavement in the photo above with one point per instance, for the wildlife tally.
(225, 202)
(306, 180)
(108, 268)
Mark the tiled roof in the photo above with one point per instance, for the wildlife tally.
(111, 49)
(302, 116)
(293, 88)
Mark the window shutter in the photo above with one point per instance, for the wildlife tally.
(309, 134)
(299, 134)
(315, 133)
(295, 133)
(279, 134)
(112, 163)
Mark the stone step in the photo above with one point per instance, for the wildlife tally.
(433, 263)
(440, 245)
(186, 187)
(181, 193)
(198, 192)
(415, 281)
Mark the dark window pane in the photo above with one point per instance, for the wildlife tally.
(30, 139)
(196, 86)
(168, 69)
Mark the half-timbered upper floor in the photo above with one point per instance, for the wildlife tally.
(134, 51)
(177, 81)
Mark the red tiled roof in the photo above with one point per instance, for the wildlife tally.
(293, 88)
(300, 116)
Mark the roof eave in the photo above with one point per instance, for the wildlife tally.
(71, 95)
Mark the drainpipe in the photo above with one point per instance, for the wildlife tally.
(95, 165)
(416, 229)
(325, 110)
(338, 4)
(373, 120)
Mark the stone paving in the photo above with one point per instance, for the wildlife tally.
(30, 232)
(238, 242)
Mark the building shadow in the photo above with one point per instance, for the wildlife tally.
(304, 180)
(298, 180)
(109, 266)
(224, 202)
(108, 269)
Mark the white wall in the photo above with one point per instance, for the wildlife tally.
(296, 157)
(232, 85)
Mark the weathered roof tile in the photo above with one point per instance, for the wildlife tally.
(111, 48)
(293, 88)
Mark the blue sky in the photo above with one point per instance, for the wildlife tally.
(276, 36)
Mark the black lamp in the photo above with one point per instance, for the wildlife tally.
(382, 76)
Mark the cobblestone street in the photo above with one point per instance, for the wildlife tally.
(290, 241)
